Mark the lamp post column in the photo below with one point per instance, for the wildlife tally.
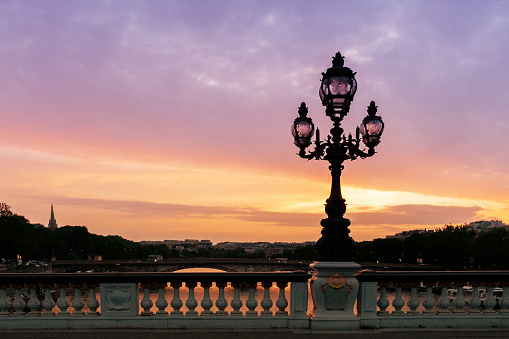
(335, 243)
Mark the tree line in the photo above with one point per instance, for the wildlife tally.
(18, 237)
(451, 247)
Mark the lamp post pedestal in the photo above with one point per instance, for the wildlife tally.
(334, 290)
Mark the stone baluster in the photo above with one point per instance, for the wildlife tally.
(191, 302)
(33, 303)
(236, 303)
(221, 302)
(161, 302)
(92, 303)
(475, 302)
(206, 302)
(459, 302)
(77, 302)
(18, 304)
(48, 304)
(281, 302)
(428, 302)
(4, 304)
(176, 303)
(383, 302)
(413, 302)
(444, 301)
(266, 301)
(490, 301)
(251, 302)
(146, 303)
(62, 302)
(504, 302)
(398, 302)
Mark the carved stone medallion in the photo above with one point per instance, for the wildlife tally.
(336, 280)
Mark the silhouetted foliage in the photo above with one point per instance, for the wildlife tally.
(5, 210)
(450, 247)
(300, 253)
(491, 249)
(19, 237)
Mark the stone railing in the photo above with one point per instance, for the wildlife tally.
(142, 300)
(432, 299)
(342, 300)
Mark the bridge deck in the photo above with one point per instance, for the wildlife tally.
(253, 334)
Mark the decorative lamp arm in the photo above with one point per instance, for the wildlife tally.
(319, 150)
(356, 152)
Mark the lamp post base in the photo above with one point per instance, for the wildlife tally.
(334, 290)
(335, 245)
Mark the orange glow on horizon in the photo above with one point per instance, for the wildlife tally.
(146, 201)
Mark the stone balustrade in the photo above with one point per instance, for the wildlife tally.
(343, 299)
(433, 299)
(126, 300)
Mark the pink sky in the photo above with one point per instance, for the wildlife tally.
(171, 119)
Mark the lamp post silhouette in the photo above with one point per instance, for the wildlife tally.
(337, 90)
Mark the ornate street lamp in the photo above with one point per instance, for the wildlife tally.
(337, 90)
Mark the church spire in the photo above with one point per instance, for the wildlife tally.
(52, 222)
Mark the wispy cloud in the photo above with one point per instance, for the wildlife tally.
(391, 215)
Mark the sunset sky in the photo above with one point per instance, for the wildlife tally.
(162, 120)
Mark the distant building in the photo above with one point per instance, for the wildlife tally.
(191, 242)
(205, 244)
(477, 226)
(406, 234)
(227, 245)
(52, 222)
(172, 243)
(150, 242)
(187, 243)
(486, 225)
